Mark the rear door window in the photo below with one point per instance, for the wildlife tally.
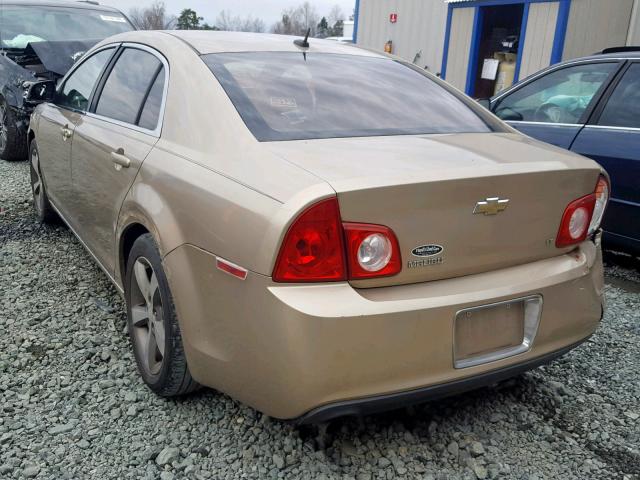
(129, 83)
(151, 109)
(288, 96)
(623, 107)
(561, 96)
(77, 89)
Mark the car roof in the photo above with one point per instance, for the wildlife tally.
(83, 5)
(603, 56)
(205, 42)
(597, 57)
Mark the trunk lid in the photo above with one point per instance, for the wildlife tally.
(426, 189)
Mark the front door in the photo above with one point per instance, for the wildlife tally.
(111, 143)
(554, 107)
(56, 125)
(55, 131)
(613, 140)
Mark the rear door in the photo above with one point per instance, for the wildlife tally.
(113, 140)
(57, 124)
(554, 106)
(612, 138)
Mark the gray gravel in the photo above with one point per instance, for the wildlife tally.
(73, 406)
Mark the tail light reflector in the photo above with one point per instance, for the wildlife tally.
(574, 226)
(583, 216)
(372, 251)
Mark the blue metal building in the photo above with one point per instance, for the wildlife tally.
(455, 38)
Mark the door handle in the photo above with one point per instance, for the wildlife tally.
(66, 133)
(120, 160)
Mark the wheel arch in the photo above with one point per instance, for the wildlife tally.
(129, 235)
(135, 219)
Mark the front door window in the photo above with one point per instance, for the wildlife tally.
(561, 96)
(77, 89)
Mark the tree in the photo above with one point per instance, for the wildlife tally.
(338, 29)
(297, 20)
(336, 20)
(189, 20)
(153, 17)
(228, 22)
(335, 15)
(323, 28)
(283, 26)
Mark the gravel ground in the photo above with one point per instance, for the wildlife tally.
(73, 406)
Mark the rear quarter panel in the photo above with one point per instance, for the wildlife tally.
(182, 202)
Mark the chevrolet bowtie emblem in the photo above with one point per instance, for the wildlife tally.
(491, 206)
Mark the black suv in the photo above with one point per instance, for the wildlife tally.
(40, 40)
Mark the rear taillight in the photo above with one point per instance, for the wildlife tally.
(318, 247)
(313, 248)
(583, 216)
(575, 221)
(372, 251)
(602, 198)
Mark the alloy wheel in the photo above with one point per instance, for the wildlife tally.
(147, 316)
(3, 127)
(36, 180)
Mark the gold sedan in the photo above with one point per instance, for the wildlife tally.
(316, 229)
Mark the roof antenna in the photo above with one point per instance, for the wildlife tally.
(303, 43)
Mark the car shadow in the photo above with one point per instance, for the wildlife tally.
(620, 259)
(423, 420)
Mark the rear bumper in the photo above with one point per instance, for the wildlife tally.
(381, 403)
(312, 352)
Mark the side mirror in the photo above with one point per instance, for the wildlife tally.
(485, 102)
(39, 92)
(508, 114)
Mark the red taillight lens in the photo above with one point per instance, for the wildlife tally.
(372, 251)
(574, 226)
(313, 248)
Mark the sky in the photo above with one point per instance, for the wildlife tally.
(267, 10)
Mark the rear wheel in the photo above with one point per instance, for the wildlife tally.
(13, 143)
(43, 208)
(153, 324)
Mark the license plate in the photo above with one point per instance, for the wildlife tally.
(492, 332)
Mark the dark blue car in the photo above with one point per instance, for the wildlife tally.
(590, 106)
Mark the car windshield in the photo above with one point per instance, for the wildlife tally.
(20, 25)
(285, 96)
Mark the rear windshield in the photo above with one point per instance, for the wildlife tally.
(285, 96)
(20, 25)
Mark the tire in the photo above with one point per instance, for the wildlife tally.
(13, 143)
(41, 204)
(153, 324)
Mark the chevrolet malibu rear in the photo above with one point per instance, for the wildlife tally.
(321, 231)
